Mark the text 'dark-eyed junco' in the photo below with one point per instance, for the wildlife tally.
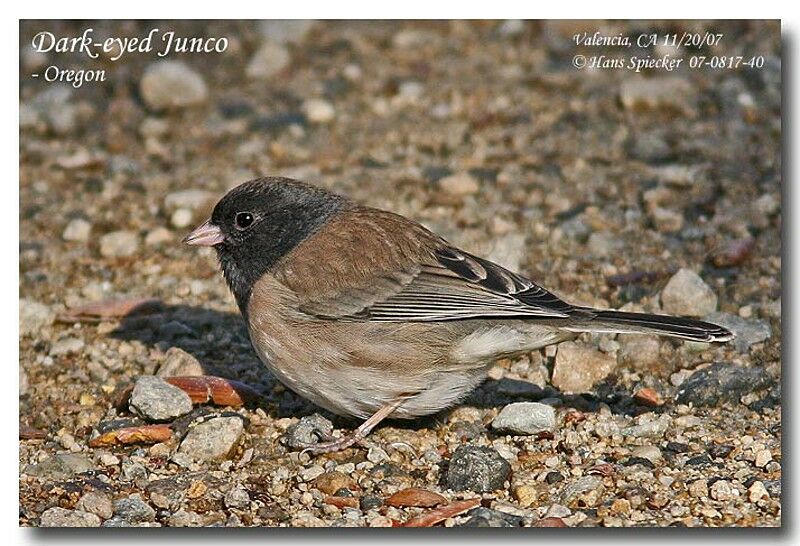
(368, 314)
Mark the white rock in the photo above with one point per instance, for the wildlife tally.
(77, 230)
(757, 492)
(181, 218)
(61, 517)
(66, 346)
(213, 439)
(525, 418)
(762, 458)
(119, 244)
(192, 199)
(319, 111)
(172, 85)
(269, 60)
(459, 184)
(687, 294)
(284, 31)
(33, 316)
(158, 236)
(578, 367)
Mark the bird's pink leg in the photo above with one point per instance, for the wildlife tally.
(359, 434)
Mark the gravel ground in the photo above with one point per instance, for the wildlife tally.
(659, 193)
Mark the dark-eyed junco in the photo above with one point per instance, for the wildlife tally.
(369, 314)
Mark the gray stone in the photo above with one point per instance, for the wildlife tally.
(66, 346)
(33, 316)
(650, 429)
(183, 518)
(179, 363)
(459, 184)
(181, 218)
(319, 111)
(61, 466)
(578, 367)
(169, 85)
(192, 199)
(687, 294)
(478, 469)
(284, 31)
(651, 453)
(575, 229)
(238, 497)
(77, 230)
(582, 486)
(133, 509)
(96, 503)
(61, 517)
(766, 205)
(213, 439)
(486, 517)
(602, 244)
(511, 27)
(639, 351)
(119, 244)
(747, 332)
(720, 383)
(269, 60)
(132, 470)
(53, 105)
(525, 418)
(158, 236)
(508, 251)
(308, 430)
(155, 399)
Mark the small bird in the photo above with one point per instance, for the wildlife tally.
(369, 314)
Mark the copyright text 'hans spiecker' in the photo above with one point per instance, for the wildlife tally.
(658, 51)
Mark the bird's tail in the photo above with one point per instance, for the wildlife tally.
(621, 322)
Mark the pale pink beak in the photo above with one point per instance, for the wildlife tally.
(206, 234)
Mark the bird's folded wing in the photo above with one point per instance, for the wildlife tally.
(409, 275)
(461, 286)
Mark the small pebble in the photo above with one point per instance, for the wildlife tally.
(171, 84)
(687, 294)
(61, 517)
(762, 458)
(579, 367)
(34, 316)
(459, 184)
(319, 111)
(155, 399)
(213, 439)
(269, 60)
(179, 363)
(307, 430)
(119, 244)
(476, 468)
(238, 497)
(720, 383)
(525, 418)
(78, 230)
(67, 346)
(96, 503)
(181, 218)
(757, 492)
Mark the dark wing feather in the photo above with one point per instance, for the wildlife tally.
(377, 266)
(461, 286)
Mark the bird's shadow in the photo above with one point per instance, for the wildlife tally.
(220, 343)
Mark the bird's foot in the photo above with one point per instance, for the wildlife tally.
(332, 444)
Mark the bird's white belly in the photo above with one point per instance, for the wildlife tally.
(326, 378)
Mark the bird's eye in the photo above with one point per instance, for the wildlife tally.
(243, 220)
